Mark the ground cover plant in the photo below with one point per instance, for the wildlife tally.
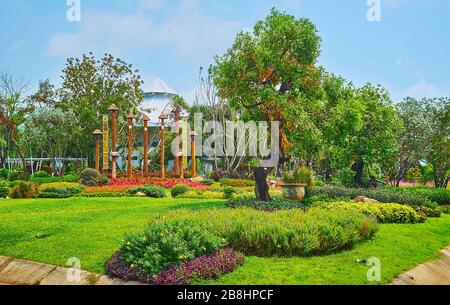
(275, 204)
(149, 190)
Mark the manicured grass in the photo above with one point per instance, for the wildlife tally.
(52, 231)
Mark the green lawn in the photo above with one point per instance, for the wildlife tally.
(52, 231)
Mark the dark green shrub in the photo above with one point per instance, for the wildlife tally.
(284, 233)
(168, 243)
(103, 195)
(426, 212)
(236, 183)
(76, 178)
(179, 189)
(41, 174)
(384, 213)
(384, 195)
(15, 175)
(323, 198)
(220, 174)
(92, 177)
(152, 191)
(59, 192)
(440, 196)
(4, 173)
(24, 190)
(229, 192)
(4, 191)
(275, 204)
(207, 182)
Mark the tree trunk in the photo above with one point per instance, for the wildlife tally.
(358, 168)
(261, 187)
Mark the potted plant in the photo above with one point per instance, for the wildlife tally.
(295, 183)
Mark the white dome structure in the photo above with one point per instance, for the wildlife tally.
(157, 100)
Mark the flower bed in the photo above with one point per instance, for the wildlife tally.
(205, 267)
(166, 183)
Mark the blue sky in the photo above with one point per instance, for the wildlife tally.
(407, 52)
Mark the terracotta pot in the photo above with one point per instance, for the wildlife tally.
(293, 191)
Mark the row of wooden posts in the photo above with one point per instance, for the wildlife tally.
(179, 161)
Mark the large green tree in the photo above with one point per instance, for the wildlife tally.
(89, 87)
(271, 74)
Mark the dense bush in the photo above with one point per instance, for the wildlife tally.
(440, 196)
(284, 233)
(16, 175)
(384, 213)
(229, 192)
(4, 173)
(103, 195)
(152, 191)
(4, 191)
(220, 174)
(41, 174)
(205, 267)
(168, 243)
(237, 183)
(179, 189)
(300, 174)
(207, 182)
(59, 192)
(202, 195)
(425, 212)
(275, 204)
(385, 195)
(24, 190)
(92, 177)
(323, 198)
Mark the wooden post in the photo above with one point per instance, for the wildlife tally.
(163, 117)
(184, 137)
(145, 119)
(194, 161)
(182, 168)
(130, 146)
(97, 134)
(105, 143)
(176, 112)
(113, 109)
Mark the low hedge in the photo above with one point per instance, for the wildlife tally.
(440, 196)
(104, 195)
(152, 191)
(236, 183)
(202, 195)
(384, 213)
(283, 233)
(179, 189)
(59, 192)
(275, 204)
(385, 195)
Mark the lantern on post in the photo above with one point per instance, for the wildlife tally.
(98, 136)
(194, 162)
(130, 146)
(113, 110)
(176, 113)
(145, 119)
(163, 118)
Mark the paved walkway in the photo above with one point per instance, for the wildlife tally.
(21, 272)
(432, 273)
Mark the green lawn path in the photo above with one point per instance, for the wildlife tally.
(52, 231)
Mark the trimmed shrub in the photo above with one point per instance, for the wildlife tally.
(237, 183)
(166, 244)
(92, 177)
(384, 213)
(103, 195)
(152, 191)
(202, 195)
(179, 189)
(4, 173)
(384, 195)
(440, 196)
(425, 212)
(59, 192)
(4, 191)
(275, 204)
(24, 190)
(229, 192)
(207, 182)
(41, 174)
(283, 233)
(220, 174)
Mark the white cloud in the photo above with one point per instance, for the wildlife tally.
(422, 89)
(402, 60)
(184, 29)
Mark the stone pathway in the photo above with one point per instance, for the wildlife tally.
(20, 272)
(432, 273)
